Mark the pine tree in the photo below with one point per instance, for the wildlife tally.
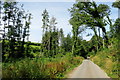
(50, 35)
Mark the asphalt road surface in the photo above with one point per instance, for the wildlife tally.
(88, 70)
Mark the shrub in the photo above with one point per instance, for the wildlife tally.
(40, 67)
(108, 61)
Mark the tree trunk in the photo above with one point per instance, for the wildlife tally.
(97, 38)
(103, 41)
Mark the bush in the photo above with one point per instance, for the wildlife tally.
(108, 61)
(41, 67)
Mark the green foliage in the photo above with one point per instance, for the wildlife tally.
(67, 43)
(41, 67)
(50, 48)
(51, 36)
(45, 20)
(117, 28)
(16, 29)
(57, 54)
(108, 61)
(32, 51)
(92, 16)
(116, 4)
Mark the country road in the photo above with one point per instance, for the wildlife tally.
(88, 70)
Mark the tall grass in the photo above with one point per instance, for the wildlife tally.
(41, 67)
(108, 61)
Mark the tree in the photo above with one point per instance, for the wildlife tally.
(15, 30)
(76, 22)
(0, 12)
(50, 39)
(116, 26)
(55, 42)
(61, 40)
(61, 35)
(67, 43)
(116, 4)
(54, 36)
(1, 31)
(45, 26)
(26, 33)
(45, 20)
(91, 15)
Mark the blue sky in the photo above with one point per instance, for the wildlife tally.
(62, 0)
(60, 11)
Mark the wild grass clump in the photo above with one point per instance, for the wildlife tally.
(41, 67)
(108, 61)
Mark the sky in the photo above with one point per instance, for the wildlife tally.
(58, 9)
(62, 0)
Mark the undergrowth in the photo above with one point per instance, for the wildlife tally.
(108, 60)
(41, 67)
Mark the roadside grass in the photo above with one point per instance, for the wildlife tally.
(41, 67)
(108, 61)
